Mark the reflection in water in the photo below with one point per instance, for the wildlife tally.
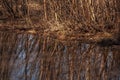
(33, 57)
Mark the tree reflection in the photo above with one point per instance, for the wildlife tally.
(34, 57)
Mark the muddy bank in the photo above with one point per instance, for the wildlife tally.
(64, 34)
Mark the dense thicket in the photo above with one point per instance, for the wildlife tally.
(99, 15)
(41, 39)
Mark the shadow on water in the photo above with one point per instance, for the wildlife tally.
(33, 57)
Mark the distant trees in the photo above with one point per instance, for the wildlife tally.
(15, 8)
(98, 15)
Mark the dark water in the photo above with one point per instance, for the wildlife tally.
(34, 57)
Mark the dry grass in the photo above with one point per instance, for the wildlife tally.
(91, 15)
(41, 40)
(65, 20)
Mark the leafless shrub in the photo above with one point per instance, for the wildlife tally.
(28, 52)
(93, 15)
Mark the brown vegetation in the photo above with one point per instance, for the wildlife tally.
(70, 17)
(58, 39)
